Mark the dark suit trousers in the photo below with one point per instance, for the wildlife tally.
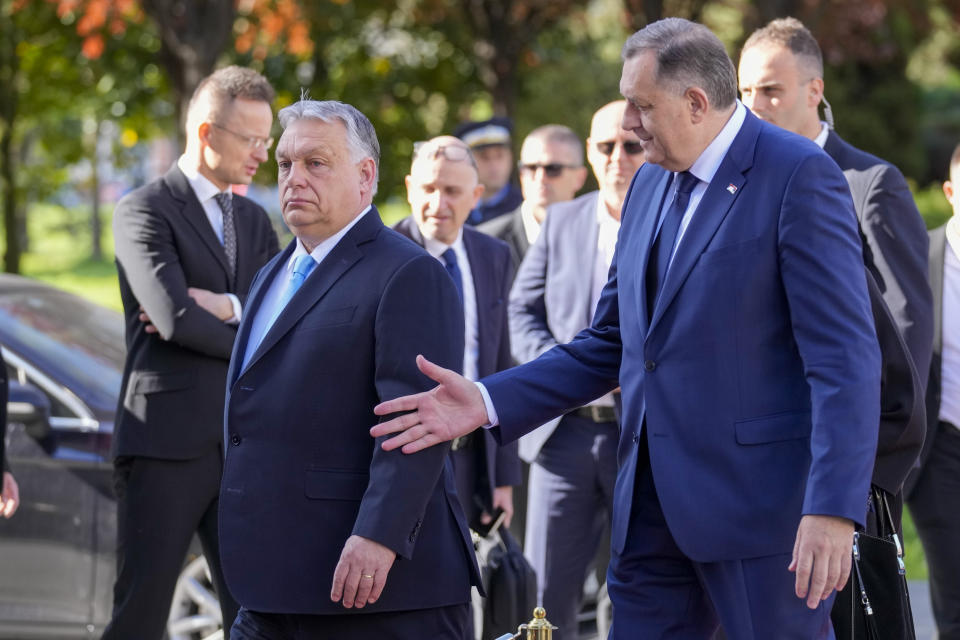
(935, 506)
(659, 593)
(160, 505)
(440, 623)
(569, 506)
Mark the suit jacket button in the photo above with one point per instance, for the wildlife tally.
(636, 438)
(235, 440)
(649, 365)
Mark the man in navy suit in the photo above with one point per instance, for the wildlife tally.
(442, 189)
(323, 533)
(781, 80)
(573, 460)
(737, 322)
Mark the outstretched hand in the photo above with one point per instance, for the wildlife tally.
(452, 409)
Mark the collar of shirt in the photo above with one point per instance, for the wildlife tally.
(324, 248)
(436, 248)
(609, 227)
(821, 138)
(200, 184)
(706, 166)
(953, 236)
(531, 228)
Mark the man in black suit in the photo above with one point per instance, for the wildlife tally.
(551, 170)
(781, 81)
(442, 188)
(187, 250)
(9, 491)
(324, 534)
(933, 491)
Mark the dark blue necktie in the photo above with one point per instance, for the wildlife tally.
(450, 261)
(667, 237)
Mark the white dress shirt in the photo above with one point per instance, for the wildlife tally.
(950, 328)
(268, 308)
(531, 228)
(704, 168)
(206, 193)
(471, 342)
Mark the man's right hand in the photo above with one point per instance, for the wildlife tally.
(452, 409)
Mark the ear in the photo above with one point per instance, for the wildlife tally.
(698, 103)
(948, 191)
(477, 193)
(408, 181)
(581, 173)
(368, 174)
(203, 132)
(815, 92)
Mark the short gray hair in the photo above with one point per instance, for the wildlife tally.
(688, 54)
(559, 134)
(361, 136)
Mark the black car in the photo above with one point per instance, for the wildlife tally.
(65, 357)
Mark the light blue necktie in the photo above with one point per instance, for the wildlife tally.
(302, 267)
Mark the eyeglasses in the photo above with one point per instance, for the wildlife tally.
(452, 152)
(631, 147)
(252, 142)
(552, 170)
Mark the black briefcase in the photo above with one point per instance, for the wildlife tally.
(875, 603)
(510, 583)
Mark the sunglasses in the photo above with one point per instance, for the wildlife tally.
(552, 170)
(631, 147)
(452, 152)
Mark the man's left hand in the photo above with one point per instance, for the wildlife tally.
(821, 557)
(361, 572)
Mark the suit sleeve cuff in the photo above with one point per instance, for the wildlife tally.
(488, 403)
(237, 309)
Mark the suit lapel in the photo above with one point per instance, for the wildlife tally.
(722, 192)
(194, 214)
(344, 255)
(519, 233)
(648, 208)
(483, 277)
(583, 237)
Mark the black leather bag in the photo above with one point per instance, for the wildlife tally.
(510, 583)
(875, 603)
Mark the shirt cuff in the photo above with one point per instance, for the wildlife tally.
(237, 309)
(488, 403)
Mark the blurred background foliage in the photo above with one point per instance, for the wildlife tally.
(85, 85)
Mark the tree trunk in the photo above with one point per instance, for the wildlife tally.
(193, 34)
(9, 68)
(96, 231)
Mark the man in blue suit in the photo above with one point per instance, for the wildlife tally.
(442, 189)
(737, 322)
(323, 533)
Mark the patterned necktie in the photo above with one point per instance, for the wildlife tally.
(667, 237)
(450, 261)
(229, 231)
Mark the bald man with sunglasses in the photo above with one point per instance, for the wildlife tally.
(574, 458)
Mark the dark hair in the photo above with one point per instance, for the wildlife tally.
(688, 54)
(790, 33)
(229, 83)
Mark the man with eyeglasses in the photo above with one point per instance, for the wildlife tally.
(442, 188)
(573, 458)
(187, 249)
(551, 170)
